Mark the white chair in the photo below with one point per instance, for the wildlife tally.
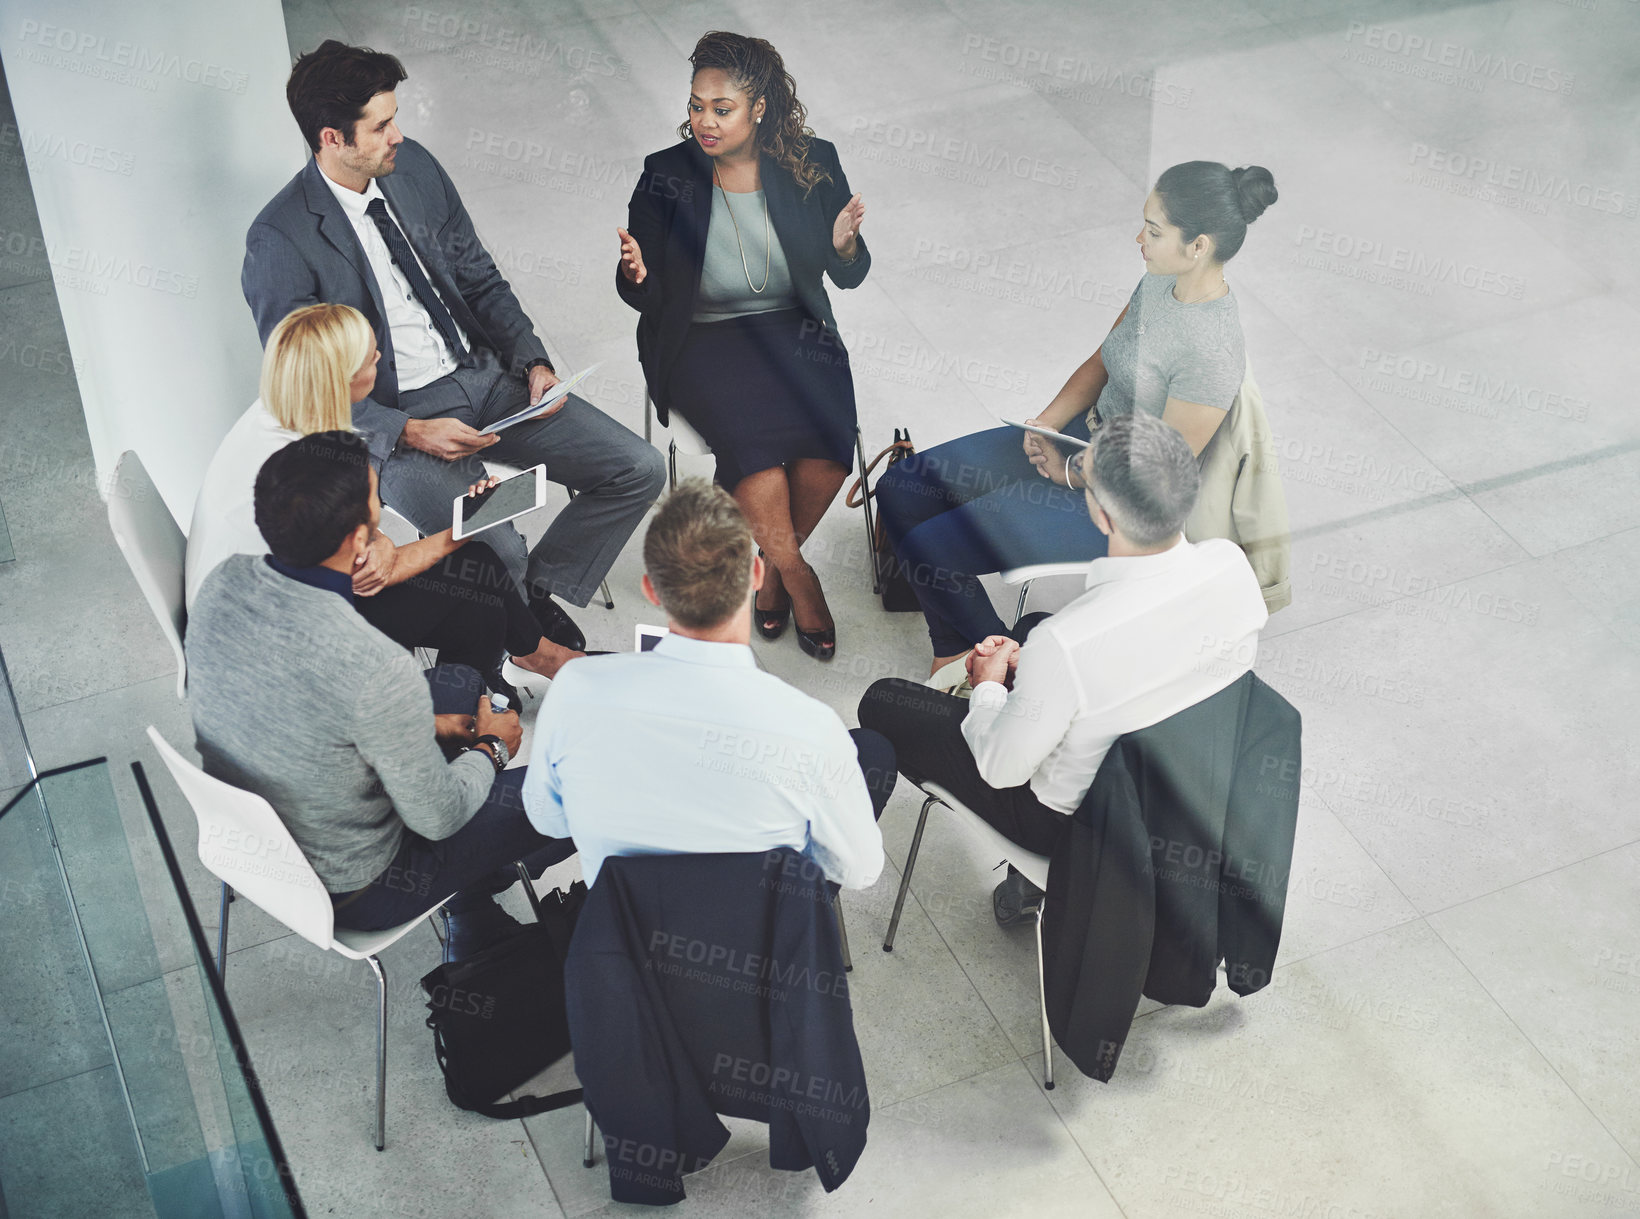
(155, 550)
(1023, 576)
(1034, 866)
(244, 844)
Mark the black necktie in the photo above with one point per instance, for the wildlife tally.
(405, 259)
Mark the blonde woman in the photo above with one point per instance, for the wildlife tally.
(318, 362)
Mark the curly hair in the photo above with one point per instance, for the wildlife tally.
(756, 68)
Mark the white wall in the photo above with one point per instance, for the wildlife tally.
(153, 134)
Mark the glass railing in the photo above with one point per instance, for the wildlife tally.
(125, 1087)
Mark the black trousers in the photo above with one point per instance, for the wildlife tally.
(466, 607)
(924, 726)
(474, 863)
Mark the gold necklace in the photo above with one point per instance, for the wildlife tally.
(768, 246)
(1203, 296)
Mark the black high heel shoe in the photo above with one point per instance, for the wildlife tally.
(771, 624)
(822, 645)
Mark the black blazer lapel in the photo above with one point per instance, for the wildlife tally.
(696, 206)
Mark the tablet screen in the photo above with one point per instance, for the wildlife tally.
(507, 499)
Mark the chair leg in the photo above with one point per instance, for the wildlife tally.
(529, 888)
(1042, 1002)
(905, 881)
(381, 1052)
(222, 934)
(870, 515)
(1019, 610)
(842, 932)
(672, 462)
(587, 1158)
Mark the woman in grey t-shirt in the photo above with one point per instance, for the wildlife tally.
(1176, 351)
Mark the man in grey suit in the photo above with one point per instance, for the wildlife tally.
(373, 221)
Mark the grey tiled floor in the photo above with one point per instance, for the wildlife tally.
(1454, 1028)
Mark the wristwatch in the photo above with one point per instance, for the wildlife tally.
(498, 748)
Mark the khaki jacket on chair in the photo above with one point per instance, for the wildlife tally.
(1241, 496)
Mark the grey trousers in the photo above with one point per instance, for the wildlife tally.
(615, 474)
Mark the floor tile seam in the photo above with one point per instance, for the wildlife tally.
(950, 1083)
(170, 678)
(1466, 489)
(1472, 487)
(1633, 1157)
(27, 283)
(972, 985)
(1526, 880)
(111, 1064)
(1321, 798)
(1363, 609)
(1041, 1092)
(200, 967)
(541, 1163)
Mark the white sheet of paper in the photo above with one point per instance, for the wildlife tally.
(547, 399)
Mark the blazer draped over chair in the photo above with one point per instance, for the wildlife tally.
(1178, 858)
(706, 984)
(668, 216)
(301, 250)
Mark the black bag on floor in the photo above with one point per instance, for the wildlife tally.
(888, 577)
(498, 1017)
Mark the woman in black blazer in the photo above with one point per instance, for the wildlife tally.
(729, 234)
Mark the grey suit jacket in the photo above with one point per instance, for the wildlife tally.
(302, 250)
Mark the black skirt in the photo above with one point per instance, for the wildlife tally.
(763, 390)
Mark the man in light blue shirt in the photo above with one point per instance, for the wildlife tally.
(690, 748)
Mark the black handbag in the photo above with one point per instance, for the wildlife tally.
(498, 1017)
(888, 572)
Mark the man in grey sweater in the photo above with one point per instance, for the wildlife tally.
(297, 698)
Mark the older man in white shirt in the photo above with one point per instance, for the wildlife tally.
(1163, 624)
(691, 748)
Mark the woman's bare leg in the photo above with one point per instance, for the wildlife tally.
(766, 500)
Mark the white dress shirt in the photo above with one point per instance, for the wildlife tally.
(1152, 635)
(691, 749)
(224, 520)
(420, 354)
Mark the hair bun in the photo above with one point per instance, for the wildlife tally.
(1255, 189)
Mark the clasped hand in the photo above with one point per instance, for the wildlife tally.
(994, 658)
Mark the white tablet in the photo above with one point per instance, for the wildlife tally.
(644, 638)
(547, 399)
(511, 497)
(1050, 434)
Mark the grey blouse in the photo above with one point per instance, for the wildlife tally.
(1164, 349)
(725, 289)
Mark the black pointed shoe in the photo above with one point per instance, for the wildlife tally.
(556, 625)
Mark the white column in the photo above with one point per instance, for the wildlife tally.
(153, 134)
